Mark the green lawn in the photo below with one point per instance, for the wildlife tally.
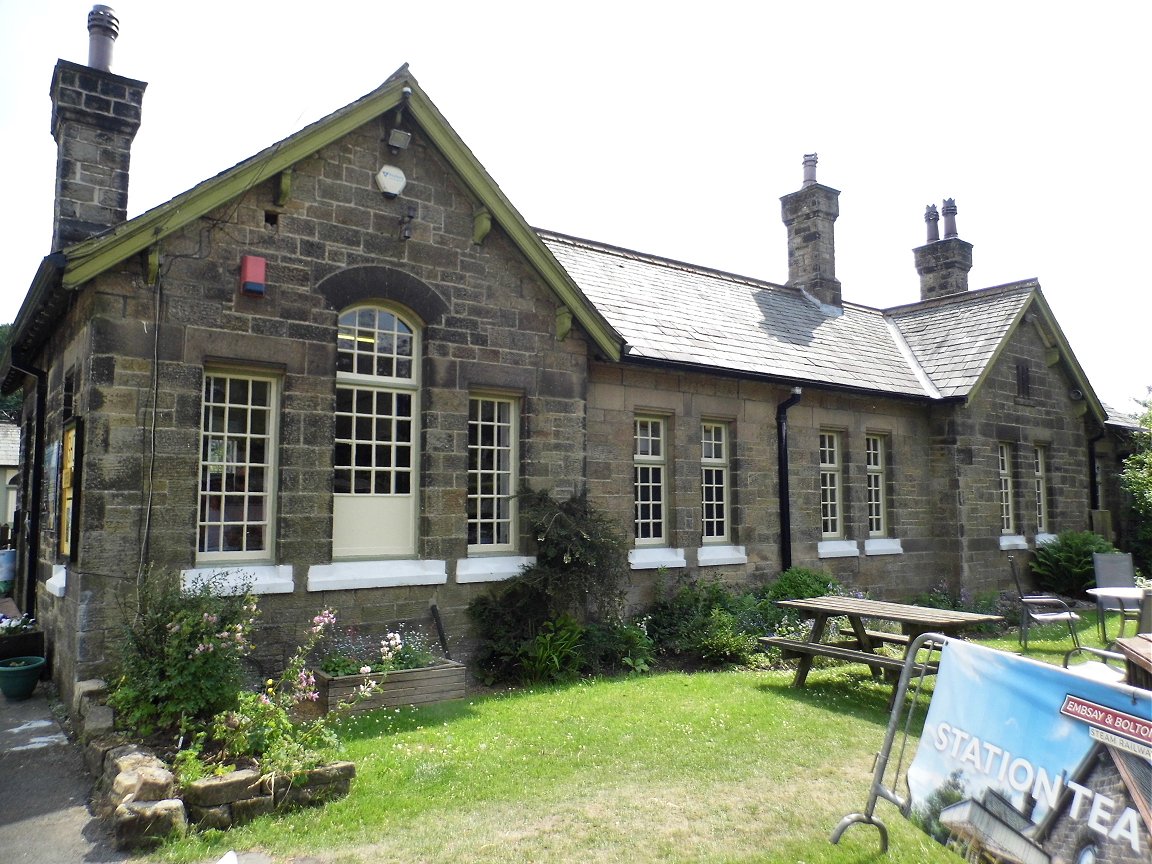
(708, 767)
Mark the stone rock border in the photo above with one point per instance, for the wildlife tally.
(138, 791)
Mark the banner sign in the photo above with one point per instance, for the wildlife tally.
(1025, 762)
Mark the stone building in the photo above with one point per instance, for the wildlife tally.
(327, 369)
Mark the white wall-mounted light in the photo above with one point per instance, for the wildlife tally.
(391, 180)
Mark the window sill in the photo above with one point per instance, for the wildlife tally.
(655, 557)
(494, 569)
(263, 578)
(838, 549)
(714, 556)
(1044, 539)
(350, 575)
(1013, 541)
(883, 546)
(57, 583)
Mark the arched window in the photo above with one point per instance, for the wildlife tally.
(377, 434)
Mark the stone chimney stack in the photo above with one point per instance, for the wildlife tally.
(809, 215)
(95, 116)
(943, 265)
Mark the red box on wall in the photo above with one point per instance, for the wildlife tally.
(252, 269)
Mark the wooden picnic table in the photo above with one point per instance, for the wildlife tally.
(861, 648)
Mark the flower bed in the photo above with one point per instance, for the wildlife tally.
(436, 683)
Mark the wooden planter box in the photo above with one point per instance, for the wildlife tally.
(401, 687)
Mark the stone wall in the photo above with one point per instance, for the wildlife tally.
(134, 354)
(1048, 417)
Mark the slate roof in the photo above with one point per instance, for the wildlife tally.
(956, 338)
(675, 312)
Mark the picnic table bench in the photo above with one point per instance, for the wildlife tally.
(861, 648)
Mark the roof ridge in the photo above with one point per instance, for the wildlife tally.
(960, 296)
(671, 263)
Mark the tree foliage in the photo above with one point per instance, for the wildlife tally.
(9, 404)
(1136, 478)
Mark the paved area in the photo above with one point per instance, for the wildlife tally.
(44, 789)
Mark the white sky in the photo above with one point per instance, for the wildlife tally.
(674, 128)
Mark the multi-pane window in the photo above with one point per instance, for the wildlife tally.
(649, 480)
(1007, 492)
(1040, 477)
(373, 453)
(831, 524)
(876, 469)
(237, 447)
(376, 435)
(714, 482)
(491, 472)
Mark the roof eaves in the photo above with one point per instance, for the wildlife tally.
(1097, 407)
(785, 380)
(38, 312)
(92, 257)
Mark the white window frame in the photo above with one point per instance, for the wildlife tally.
(376, 442)
(226, 455)
(1040, 475)
(650, 480)
(831, 485)
(493, 473)
(1007, 488)
(876, 480)
(715, 482)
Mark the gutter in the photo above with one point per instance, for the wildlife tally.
(36, 316)
(782, 472)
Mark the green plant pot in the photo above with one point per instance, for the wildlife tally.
(18, 676)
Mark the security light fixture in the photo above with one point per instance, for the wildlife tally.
(399, 140)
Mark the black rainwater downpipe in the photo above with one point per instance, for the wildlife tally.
(782, 471)
(1093, 487)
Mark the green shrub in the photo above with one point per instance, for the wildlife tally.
(182, 650)
(263, 727)
(581, 556)
(723, 640)
(800, 583)
(677, 623)
(553, 654)
(503, 621)
(795, 583)
(709, 624)
(617, 646)
(580, 570)
(1064, 565)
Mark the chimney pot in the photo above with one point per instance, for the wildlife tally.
(950, 218)
(103, 28)
(933, 220)
(809, 169)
